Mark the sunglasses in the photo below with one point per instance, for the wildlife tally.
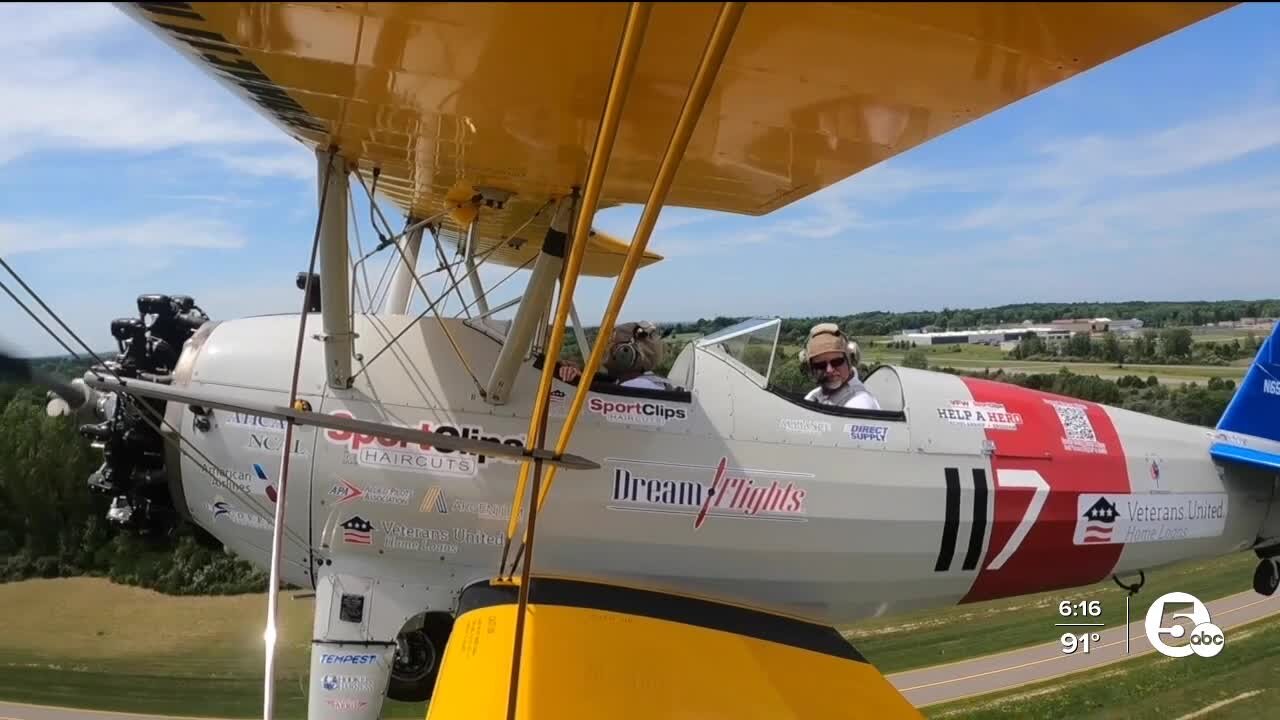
(820, 365)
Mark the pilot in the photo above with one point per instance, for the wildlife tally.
(833, 363)
(635, 349)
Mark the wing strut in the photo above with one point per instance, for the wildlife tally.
(703, 80)
(633, 31)
(708, 68)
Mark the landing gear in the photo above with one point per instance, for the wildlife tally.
(417, 660)
(1267, 577)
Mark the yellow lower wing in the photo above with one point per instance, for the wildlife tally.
(605, 651)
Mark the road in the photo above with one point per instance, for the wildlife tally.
(993, 673)
(926, 686)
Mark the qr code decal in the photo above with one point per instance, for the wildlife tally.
(1079, 435)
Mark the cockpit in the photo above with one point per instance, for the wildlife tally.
(751, 348)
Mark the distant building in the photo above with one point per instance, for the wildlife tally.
(997, 337)
(1098, 325)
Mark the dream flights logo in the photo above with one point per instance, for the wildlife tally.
(730, 494)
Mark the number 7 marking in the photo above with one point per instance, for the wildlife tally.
(1030, 479)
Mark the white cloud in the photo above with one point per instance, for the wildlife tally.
(1200, 143)
(298, 163)
(28, 26)
(85, 77)
(178, 230)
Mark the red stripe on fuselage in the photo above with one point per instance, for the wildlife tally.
(1047, 557)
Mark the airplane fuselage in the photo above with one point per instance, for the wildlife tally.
(961, 490)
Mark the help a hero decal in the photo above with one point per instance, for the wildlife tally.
(390, 454)
(1062, 449)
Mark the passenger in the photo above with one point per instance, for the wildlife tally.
(833, 363)
(635, 349)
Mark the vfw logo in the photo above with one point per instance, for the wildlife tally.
(1206, 638)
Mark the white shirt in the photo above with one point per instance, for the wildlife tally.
(852, 394)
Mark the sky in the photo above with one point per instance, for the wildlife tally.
(127, 170)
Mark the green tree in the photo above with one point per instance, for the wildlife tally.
(1112, 350)
(916, 358)
(1176, 342)
(1031, 345)
(1080, 345)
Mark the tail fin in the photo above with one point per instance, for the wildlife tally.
(1249, 431)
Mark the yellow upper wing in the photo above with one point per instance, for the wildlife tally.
(444, 97)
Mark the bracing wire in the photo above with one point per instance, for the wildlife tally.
(39, 322)
(432, 306)
(204, 463)
(273, 589)
(430, 303)
(355, 227)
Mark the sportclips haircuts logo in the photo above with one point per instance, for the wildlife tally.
(389, 453)
(636, 412)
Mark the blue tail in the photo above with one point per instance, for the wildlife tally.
(1254, 411)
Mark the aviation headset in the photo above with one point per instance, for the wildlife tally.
(852, 353)
(628, 354)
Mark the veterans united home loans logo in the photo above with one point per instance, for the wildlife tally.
(1120, 518)
(1206, 639)
(357, 531)
(1100, 520)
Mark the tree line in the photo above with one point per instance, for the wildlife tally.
(1169, 346)
(51, 525)
(1152, 314)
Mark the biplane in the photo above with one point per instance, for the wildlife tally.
(481, 534)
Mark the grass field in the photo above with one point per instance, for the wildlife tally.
(977, 357)
(932, 637)
(85, 642)
(89, 643)
(980, 357)
(1240, 683)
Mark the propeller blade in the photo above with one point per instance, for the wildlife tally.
(476, 446)
(22, 370)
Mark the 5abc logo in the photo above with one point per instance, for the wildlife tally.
(1206, 638)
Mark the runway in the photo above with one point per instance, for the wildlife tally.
(926, 686)
(1002, 671)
